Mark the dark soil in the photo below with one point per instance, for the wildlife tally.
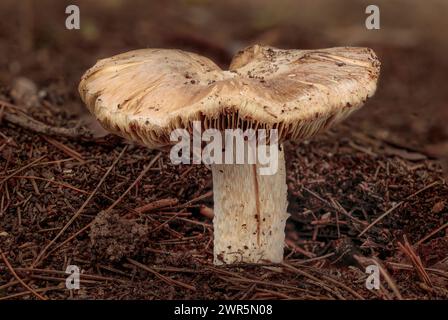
(370, 191)
(113, 238)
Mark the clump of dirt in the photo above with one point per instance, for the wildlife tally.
(355, 192)
(113, 237)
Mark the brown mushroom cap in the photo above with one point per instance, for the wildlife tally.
(144, 94)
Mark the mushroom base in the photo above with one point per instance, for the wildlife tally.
(249, 213)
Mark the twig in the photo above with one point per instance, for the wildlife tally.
(61, 184)
(206, 212)
(402, 266)
(199, 223)
(423, 189)
(21, 294)
(275, 293)
(73, 236)
(161, 277)
(60, 272)
(21, 169)
(141, 175)
(67, 150)
(58, 279)
(362, 149)
(407, 249)
(381, 217)
(363, 260)
(176, 270)
(247, 292)
(160, 226)
(334, 205)
(303, 261)
(297, 249)
(11, 269)
(397, 205)
(343, 286)
(314, 280)
(21, 119)
(157, 204)
(199, 198)
(9, 284)
(431, 234)
(260, 282)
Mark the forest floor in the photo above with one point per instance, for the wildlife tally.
(370, 191)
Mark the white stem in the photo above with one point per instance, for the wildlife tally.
(249, 213)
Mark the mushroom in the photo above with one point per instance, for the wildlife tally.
(144, 95)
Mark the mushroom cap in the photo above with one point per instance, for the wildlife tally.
(143, 95)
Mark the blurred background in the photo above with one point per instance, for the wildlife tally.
(409, 110)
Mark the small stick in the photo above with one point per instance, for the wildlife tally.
(160, 226)
(397, 205)
(161, 277)
(11, 269)
(381, 217)
(416, 261)
(248, 291)
(52, 278)
(67, 150)
(73, 236)
(423, 189)
(21, 119)
(142, 174)
(9, 284)
(61, 184)
(362, 149)
(60, 272)
(36, 189)
(20, 170)
(21, 294)
(206, 212)
(199, 198)
(334, 205)
(431, 234)
(199, 223)
(157, 204)
(403, 266)
(314, 280)
(260, 282)
(383, 272)
(313, 259)
(275, 293)
(298, 249)
(347, 288)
